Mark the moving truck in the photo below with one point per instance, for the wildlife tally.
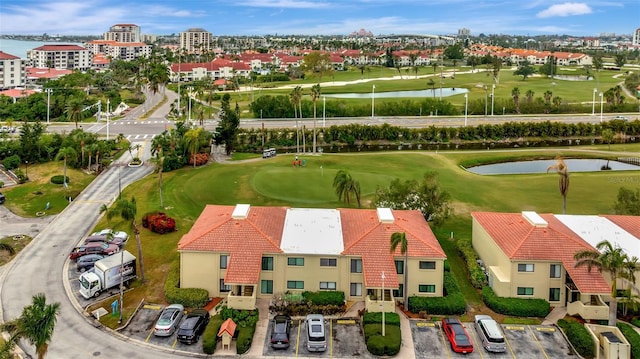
(106, 274)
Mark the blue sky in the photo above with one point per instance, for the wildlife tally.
(259, 17)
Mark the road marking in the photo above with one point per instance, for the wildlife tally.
(174, 343)
(345, 321)
(444, 343)
(512, 327)
(545, 329)
(330, 338)
(509, 346)
(476, 341)
(298, 341)
(149, 336)
(425, 324)
(154, 307)
(537, 341)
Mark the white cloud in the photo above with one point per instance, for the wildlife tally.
(566, 9)
(287, 4)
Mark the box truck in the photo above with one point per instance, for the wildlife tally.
(106, 274)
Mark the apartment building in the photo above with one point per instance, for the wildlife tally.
(13, 71)
(246, 252)
(123, 33)
(195, 41)
(126, 51)
(60, 56)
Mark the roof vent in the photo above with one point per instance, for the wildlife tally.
(534, 219)
(241, 211)
(385, 215)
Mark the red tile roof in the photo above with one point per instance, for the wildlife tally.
(6, 56)
(17, 93)
(46, 73)
(630, 224)
(60, 47)
(228, 326)
(364, 235)
(520, 240)
(214, 65)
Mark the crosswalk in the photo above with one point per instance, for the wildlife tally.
(140, 137)
(145, 122)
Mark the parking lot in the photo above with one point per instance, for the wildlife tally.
(523, 341)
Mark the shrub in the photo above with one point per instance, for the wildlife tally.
(189, 297)
(632, 337)
(324, 298)
(375, 345)
(201, 159)
(245, 338)
(11, 162)
(636, 322)
(451, 304)
(476, 274)
(210, 335)
(579, 337)
(59, 179)
(517, 307)
(1, 184)
(376, 318)
(379, 345)
(158, 222)
(246, 321)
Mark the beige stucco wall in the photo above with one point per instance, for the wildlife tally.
(200, 270)
(496, 262)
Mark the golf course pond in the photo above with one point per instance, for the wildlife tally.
(540, 166)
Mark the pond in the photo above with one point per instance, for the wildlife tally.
(446, 92)
(540, 166)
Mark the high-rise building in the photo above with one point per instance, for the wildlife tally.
(12, 71)
(60, 56)
(195, 41)
(464, 32)
(636, 37)
(123, 33)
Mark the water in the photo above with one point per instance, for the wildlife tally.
(540, 166)
(19, 48)
(446, 92)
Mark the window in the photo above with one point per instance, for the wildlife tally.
(224, 261)
(327, 285)
(223, 287)
(355, 289)
(525, 291)
(295, 284)
(427, 288)
(328, 262)
(525, 267)
(356, 266)
(554, 294)
(399, 293)
(427, 265)
(554, 271)
(267, 263)
(266, 286)
(293, 261)
(399, 267)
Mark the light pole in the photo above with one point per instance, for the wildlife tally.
(121, 279)
(189, 95)
(108, 119)
(373, 99)
(48, 91)
(593, 102)
(486, 102)
(383, 309)
(179, 80)
(324, 110)
(493, 89)
(466, 106)
(297, 138)
(601, 105)
(26, 169)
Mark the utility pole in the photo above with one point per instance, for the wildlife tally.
(48, 91)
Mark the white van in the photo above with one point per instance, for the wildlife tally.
(490, 334)
(316, 338)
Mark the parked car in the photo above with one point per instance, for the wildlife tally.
(192, 327)
(94, 248)
(490, 334)
(85, 263)
(280, 332)
(316, 339)
(116, 236)
(2, 198)
(457, 335)
(103, 238)
(169, 320)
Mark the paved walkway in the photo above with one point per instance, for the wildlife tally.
(556, 314)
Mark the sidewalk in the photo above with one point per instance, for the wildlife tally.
(556, 314)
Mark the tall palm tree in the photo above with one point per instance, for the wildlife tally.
(127, 210)
(65, 153)
(346, 187)
(607, 258)
(315, 94)
(74, 110)
(192, 142)
(563, 182)
(399, 239)
(159, 162)
(631, 266)
(515, 93)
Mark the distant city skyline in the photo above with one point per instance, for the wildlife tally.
(323, 17)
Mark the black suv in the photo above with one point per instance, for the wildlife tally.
(193, 326)
(280, 332)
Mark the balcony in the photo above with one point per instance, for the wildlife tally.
(596, 309)
(246, 300)
(375, 303)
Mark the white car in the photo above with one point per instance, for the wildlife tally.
(169, 320)
(621, 118)
(115, 234)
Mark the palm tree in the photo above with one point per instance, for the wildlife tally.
(346, 187)
(74, 110)
(127, 210)
(607, 258)
(159, 162)
(631, 266)
(192, 142)
(563, 171)
(515, 93)
(315, 94)
(530, 95)
(65, 153)
(399, 239)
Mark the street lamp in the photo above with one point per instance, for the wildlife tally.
(48, 91)
(601, 105)
(26, 169)
(324, 110)
(486, 102)
(108, 113)
(189, 95)
(383, 309)
(593, 102)
(493, 88)
(373, 98)
(466, 106)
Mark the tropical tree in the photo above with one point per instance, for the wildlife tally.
(620, 59)
(399, 240)
(525, 70)
(315, 94)
(74, 110)
(227, 129)
(317, 64)
(631, 267)
(36, 324)
(515, 94)
(127, 210)
(65, 153)
(346, 187)
(563, 171)
(529, 96)
(627, 202)
(159, 162)
(607, 136)
(192, 142)
(607, 258)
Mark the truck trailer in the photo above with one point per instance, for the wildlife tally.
(106, 274)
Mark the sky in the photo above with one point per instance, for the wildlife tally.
(322, 17)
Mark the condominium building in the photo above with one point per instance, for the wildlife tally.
(245, 252)
(636, 37)
(60, 56)
(119, 50)
(123, 33)
(13, 71)
(195, 41)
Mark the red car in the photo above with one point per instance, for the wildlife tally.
(103, 248)
(457, 335)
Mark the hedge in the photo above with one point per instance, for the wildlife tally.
(210, 335)
(379, 345)
(636, 322)
(451, 304)
(11, 162)
(188, 297)
(579, 337)
(376, 318)
(324, 297)
(246, 321)
(59, 179)
(476, 274)
(517, 307)
(632, 337)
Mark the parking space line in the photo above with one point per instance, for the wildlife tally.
(509, 346)
(298, 342)
(345, 321)
(175, 341)
(425, 324)
(330, 338)
(149, 336)
(512, 327)
(537, 341)
(444, 342)
(545, 329)
(478, 348)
